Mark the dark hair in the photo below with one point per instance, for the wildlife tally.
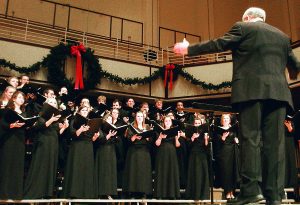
(81, 107)
(117, 101)
(11, 104)
(46, 91)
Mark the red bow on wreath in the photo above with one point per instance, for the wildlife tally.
(169, 69)
(75, 51)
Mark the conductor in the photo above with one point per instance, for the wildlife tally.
(261, 95)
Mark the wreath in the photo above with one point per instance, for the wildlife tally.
(55, 62)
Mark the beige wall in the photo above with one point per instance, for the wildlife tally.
(212, 18)
(22, 56)
(207, 18)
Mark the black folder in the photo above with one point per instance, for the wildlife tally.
(11, 116)
(185, 115)
(107, 126)
(101, 108)
(165, 111)
(79, 120)
(27, 88)
(144, 134)
(3, 85)
(220, 130)
(47, 111)
(94, 124)
(191, 129)
(173, 131)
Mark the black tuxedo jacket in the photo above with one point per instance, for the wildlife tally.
(260, 55)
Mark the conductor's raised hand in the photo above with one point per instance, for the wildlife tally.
(181, 47)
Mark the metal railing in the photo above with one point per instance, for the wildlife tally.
(25, 31)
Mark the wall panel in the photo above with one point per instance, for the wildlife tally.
(61, 16)
(33, 10)
(3, 6)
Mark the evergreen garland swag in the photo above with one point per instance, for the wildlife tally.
(54, 61)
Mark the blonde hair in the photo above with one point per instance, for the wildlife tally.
(101, 98)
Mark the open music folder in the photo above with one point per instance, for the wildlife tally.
(11, 116)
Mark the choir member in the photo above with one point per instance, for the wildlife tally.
(12, 151)
(182, 151)
(166, 182)
(137, 180)
(24, 80)
(198, 176)
(101, 99)
(129, 110)
(227, 157)
(6, 96)
(157, 112)
(122, 143)
(180, 114)
(117, 104)
(49, 93)
(40, 182)
(106, 160)
(13, 81)
(79, 171)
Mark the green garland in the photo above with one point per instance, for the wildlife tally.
(131, 81)
(54, 61)
(33, 68)
(209, 86)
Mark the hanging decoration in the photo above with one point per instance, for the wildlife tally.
(76, 51)
(171, 72)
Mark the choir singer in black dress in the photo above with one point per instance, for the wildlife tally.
(138, 172)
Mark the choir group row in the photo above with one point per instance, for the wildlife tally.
(146, 152)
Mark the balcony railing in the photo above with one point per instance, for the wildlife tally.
(25, 31)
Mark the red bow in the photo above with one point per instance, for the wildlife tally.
(169, 67)
(75, 51)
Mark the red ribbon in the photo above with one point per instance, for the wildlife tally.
(169, 69)
(75, 51)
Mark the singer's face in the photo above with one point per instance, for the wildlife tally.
(115, 113)
(179, 106)
(19, 100)
(197, 123)
(139, 117)
(9, 92)
(130, 103)
(14, 82)
(145, 107)
(84, 112)
(159, 104)
(225, 120)
(168, 122)
(52, 102)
